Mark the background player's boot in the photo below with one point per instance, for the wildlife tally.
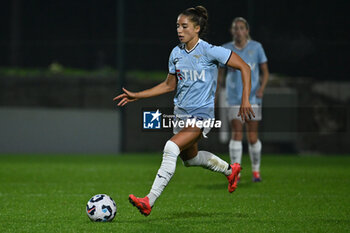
(256, 177)
(233, 178)
(142, 204)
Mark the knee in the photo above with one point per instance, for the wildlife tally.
(171, 148)
(252, 137)
(235, 144)
(255, 146)
(170, 154)
(237, 136)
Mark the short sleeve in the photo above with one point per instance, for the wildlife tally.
(261, 55)
(171, 64)
(218, 53)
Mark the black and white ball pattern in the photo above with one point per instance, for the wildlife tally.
(101, 208)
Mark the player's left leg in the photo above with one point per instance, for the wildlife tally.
(254, 148)
(192, 157)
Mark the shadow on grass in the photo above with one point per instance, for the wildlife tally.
(191, 215)
(221, 185)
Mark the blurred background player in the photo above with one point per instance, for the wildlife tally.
(193, 73)
(253, 54)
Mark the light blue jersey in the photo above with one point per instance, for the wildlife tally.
(196, 72)
(253, 54)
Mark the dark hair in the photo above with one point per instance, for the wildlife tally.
(199, 16)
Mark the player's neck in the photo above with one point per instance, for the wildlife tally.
(190, 44)
(240, 44)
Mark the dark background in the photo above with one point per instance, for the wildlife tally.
(306, 42)
(301, 38)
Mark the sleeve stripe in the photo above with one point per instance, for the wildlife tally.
(228, 58)
(172, 73)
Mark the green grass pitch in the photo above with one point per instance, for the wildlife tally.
(298, 194)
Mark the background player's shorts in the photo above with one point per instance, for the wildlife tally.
(234, 110)
(205, 130)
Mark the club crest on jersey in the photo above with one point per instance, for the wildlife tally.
(251, 65)
(152, 119)
(176, 60)
(192, 75)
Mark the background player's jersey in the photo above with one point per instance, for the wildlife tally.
(196, 72)
(253, 54)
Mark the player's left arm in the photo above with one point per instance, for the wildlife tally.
(237, 62)
(264, 69)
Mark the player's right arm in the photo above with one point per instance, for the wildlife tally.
(221, 76)
(166, 86)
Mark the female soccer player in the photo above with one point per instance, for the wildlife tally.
(193, 72)
(253, 54)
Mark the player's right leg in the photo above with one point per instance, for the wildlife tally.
(235, 145)
(182, 140)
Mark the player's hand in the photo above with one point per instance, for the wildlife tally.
(259, 93)
(245, 111)
(126, 97)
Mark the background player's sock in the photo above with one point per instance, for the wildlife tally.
(255, 155)
(210, 161)
(165, 172)
(235, 149)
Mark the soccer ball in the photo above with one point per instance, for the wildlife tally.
(101, 208)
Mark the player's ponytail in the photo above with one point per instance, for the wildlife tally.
(202, 12)
(199, 16)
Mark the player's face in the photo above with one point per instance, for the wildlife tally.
(186, 30)
(239, 31)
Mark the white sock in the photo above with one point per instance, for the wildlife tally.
(210, 161)
(165, 172)
(255, 155)
(235, 149)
